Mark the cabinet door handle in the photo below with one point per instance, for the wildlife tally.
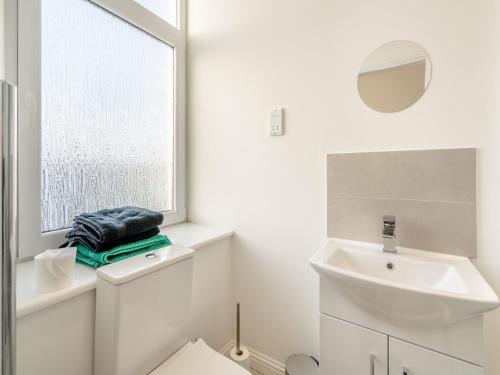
(406, 371)
(373, 357)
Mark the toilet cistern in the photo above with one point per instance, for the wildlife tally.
(389, 234)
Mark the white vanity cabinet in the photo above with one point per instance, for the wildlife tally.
(409, 359)
(349, 349)
(410, 313)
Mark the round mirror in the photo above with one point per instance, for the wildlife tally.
(394, 76)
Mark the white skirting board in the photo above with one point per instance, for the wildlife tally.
(260, 364)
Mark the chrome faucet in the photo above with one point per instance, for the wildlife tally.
(389, 234)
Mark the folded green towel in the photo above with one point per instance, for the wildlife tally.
(86, 256)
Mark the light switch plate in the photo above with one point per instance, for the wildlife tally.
(276, 122)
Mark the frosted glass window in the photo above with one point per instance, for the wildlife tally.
(166, 9)
(107, 118)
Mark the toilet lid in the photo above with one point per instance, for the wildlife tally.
(198, 359)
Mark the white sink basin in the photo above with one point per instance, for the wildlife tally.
(412, 287)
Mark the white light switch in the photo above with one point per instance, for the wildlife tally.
(276, 122)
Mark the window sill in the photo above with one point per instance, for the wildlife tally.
(195, 236)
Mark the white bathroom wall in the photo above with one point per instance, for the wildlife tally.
(246, 57)
(59, 339)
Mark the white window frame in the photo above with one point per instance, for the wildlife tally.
(31, 239)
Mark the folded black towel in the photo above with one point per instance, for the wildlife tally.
(113, 224)
(105, 229)
(82, 237)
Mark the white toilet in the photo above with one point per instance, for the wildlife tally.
(142, 319)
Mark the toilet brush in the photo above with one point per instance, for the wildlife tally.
(240, 354)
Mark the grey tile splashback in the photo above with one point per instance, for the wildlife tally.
(432, 193)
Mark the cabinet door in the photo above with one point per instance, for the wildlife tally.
(409, 359)
(348, 349)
